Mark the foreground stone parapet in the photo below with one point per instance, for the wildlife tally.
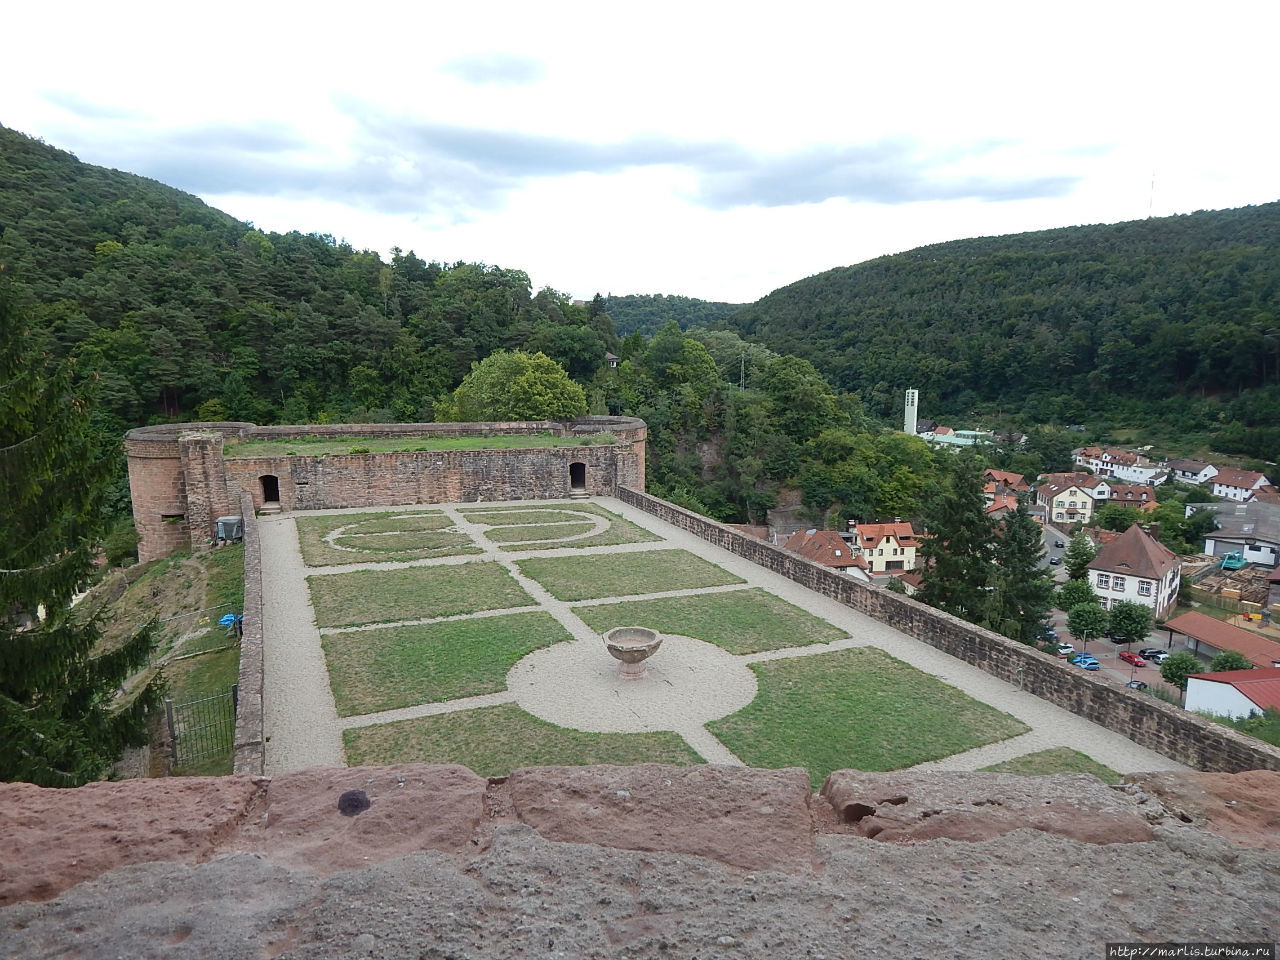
(635, 862)
(663, 862)
(54, 839)
(755, 819)
(1242, 807)
(302, 820)
(904, 807)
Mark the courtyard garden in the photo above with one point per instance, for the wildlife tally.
(441, 606)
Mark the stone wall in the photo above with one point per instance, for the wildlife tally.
(1149, 722)
(181, 482)
(250, 747)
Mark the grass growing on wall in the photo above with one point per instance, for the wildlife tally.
(326, 446)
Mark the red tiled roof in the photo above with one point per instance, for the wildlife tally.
(1266, 494)
(1135, 553)
(1261, 686)
(870, 534)
(1014, 481)
(1125, 492)
(1003, 501)
(1223, 636)
(825, 547)
(1231, 477)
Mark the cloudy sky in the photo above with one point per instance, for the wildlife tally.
(715, 150)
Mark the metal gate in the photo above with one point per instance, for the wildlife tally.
(202, 729)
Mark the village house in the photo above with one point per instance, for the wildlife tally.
(886, 547)
(1136, 495)
(1233, 484)
(1123, 465)
(1069, 497)
(1251, 528)
(1001, 481)
(1191, 471)
(1207, 637)
(1234, 693)
(1135, 566)
(828, 548)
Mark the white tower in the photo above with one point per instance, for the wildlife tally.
(909, 421)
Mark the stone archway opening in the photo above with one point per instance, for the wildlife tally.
(270, 488)
(578, 477)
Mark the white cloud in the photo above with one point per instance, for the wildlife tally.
(712, 150)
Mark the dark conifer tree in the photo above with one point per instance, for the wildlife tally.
(65, 715)
(1024, 586)
(957, 549)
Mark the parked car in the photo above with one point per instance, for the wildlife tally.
(1133, 658)
(1154, 654)
(1046, 633)
(1118, 640)
(1082, 658)
(1055, 561)
(1088, 665)
(1059, 544)
(1065, 649)
(1136, 685)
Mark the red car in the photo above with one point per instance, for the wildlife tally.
(1133, 658)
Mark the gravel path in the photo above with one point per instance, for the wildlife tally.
(574, 684)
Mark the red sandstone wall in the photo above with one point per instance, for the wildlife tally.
(179, 470)
(157, 490)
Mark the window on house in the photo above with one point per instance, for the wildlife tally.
(1058, 515)
(1144, 588)
(1117, 583)
(1104, 581)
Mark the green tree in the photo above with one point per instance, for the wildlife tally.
(61, 721)
(1023, 586)
(1130, 621)
(1087, 621)
(1080, 553)
(1230, 660)
(514, 385)
(957, 549)
(1178, 667)
(1075, 592)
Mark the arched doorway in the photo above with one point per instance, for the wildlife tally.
(578, 476)
(270, 488)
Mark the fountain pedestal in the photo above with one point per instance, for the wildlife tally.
(631, 647)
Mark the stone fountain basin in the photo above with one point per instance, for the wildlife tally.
(632, 644)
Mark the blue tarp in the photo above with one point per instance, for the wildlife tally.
(230, 620)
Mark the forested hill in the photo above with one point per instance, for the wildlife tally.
(182, 312)
(1065, 325)
(649, 314)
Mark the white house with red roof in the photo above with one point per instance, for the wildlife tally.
(1234, 693)
(828, 548)
(1233, 484)
(886, 547)
(1070, 497)
(1136, 566)
(1123, 465)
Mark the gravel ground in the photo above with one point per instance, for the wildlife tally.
(690, 682)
